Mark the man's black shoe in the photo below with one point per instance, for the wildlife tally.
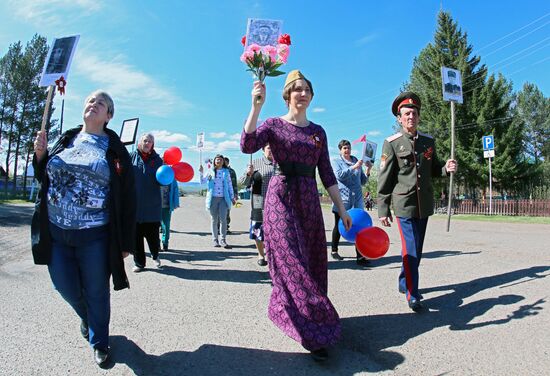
(363, 261)
(84, 330)
(415, 305)
(320, 355)
(101, 357)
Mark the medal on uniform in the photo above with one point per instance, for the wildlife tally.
(428, 153)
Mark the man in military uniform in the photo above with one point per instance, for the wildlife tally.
(407, 166)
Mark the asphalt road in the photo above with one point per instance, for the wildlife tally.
(205, 311)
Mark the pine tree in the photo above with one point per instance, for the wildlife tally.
(532, 113)
(8, 64)
(485, 109)
(10, 101)
(32, 96)
(22, 101)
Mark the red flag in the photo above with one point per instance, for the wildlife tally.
(363, 138)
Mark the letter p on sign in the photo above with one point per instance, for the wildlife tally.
(488, 143)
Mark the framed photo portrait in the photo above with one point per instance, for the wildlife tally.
(263, 32)
(452, 84)
(128, 131)
(200, 140)
(369, 151)
(58, 60)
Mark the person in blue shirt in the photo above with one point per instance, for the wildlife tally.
(351, 177)
(219, 198)
(170, 197)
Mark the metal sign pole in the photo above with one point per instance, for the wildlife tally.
(61, 122)
(490, 189)
(450, 198)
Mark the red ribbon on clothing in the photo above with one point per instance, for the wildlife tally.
(61, 83)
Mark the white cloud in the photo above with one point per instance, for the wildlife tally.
(319, 109)
(132, 89)
(236, 136)
(212, 147)
(218, 134)
(365, 39)
(169, 137)
(228, 145)
(374, 133)
(54, 12)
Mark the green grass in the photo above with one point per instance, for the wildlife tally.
(497, 218)
(13, 201)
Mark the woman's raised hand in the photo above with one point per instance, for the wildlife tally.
(40, 145)
(258, 94)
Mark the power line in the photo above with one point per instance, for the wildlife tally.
(515, 40)
(379, 113)
(513, 32)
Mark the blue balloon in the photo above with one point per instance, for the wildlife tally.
(165, 175)
(360, 219)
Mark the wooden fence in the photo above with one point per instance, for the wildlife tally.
(532, 208)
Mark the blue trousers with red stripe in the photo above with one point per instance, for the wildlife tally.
(412, 231)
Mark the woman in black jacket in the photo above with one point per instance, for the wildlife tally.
(84, 220)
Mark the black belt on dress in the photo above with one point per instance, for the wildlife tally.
(292, 169)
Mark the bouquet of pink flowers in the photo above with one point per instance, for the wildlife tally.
(265, 61)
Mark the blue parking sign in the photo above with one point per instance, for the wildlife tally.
(488, 142)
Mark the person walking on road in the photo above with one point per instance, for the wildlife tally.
(170, 198)
(233, 176)
(351, 177)
(294, 231)
(407, 166)
(84, 221)
(219, 198)
(257, 177)
(146, 162)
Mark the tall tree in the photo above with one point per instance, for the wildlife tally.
(8, 66)
(533, 109)
(11, 102)
(532, 112)
(485, 108)
(22, 101)
(32, 97)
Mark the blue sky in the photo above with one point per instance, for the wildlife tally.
(175, 64)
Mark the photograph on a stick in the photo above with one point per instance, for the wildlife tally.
(58, 61)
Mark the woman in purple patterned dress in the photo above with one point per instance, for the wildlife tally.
(293, 221)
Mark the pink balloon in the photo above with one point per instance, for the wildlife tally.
(172, 155)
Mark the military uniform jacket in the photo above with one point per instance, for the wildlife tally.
(407, 167)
